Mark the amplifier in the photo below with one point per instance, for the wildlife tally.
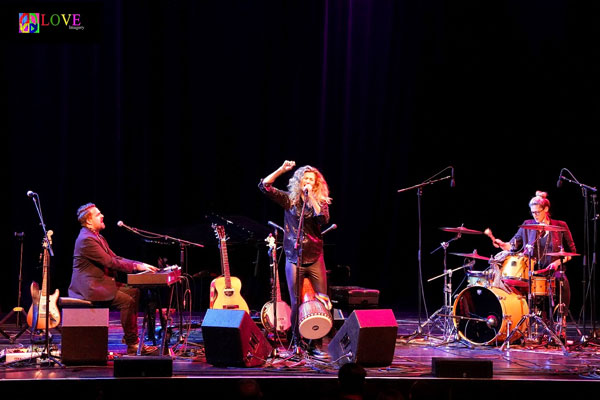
(354, 296)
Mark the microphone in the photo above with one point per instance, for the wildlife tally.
(559, 181)
(274, 225)
(31, 194)
(452, 182)
(120, 224)
(334, 226)
(307, 188)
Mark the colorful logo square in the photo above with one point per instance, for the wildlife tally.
(29, 23)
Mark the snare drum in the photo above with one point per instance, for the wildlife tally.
(539, 285)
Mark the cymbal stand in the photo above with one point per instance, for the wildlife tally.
(529, 317)
(443, 313)
(562, 311)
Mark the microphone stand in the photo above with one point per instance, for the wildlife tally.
(47, 249)
(298, 246)
(589, 252)
(419, 187)
(182, 246)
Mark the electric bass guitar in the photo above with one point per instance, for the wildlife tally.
(284, 312)
(36, 317)
(225, 290)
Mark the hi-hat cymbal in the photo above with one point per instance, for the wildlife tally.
(471, 255)
(562, 254)
(460, 229)
(542, 227)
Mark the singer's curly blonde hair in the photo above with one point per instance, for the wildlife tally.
(320, 189)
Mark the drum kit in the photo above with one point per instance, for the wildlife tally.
(497, 305)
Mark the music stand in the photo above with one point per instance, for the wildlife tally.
(21, 323)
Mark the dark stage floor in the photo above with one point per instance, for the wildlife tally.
(524, 367)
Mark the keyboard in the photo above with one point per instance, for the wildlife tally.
(164, 277)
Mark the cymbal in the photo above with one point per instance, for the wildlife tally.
(471, 255)
(460, 229)
(562, 254)
(541, 227)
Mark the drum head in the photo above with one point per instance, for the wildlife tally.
(482, 304)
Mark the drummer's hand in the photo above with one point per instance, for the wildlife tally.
(145, 267)
(554, 265)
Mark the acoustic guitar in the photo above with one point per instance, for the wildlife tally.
(225, 290)
(284, 312)
(36, 317)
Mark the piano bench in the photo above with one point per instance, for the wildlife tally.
(84, 332)
(72, 302)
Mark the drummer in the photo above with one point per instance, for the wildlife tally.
(541, 244)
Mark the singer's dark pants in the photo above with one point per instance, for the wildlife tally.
(315, 272)
(127, 302)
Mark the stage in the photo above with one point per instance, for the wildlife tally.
(523, 367)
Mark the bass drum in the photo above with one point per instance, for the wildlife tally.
(494, 305)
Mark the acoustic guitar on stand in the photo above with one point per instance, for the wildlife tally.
(225, 290)
(36, 317)
(283, 311)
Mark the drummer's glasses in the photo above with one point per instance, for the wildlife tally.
(537, 212)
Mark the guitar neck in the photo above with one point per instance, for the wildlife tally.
(45, 273)
(225, 264)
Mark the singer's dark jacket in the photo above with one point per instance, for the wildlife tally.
(94, 265)
(312, 245)
(542, 246)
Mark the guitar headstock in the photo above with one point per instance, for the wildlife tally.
(219, 231)
(47, 242)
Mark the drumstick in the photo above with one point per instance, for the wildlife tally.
(488, 232)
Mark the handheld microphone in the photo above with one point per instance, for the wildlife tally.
(334, 226)
(31, 194)
(452, 182)
(307, 188)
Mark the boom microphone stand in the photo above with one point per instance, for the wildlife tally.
(419, 187)
(50, 253)
(589, 252)
(182, 246)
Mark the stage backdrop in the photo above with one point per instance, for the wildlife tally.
(168, 114)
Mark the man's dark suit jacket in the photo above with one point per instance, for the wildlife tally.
(94, 265)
